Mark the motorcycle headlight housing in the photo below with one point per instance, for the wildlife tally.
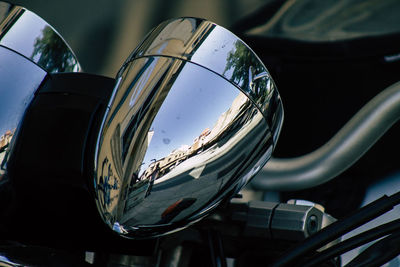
(193, 116)
(29, 49)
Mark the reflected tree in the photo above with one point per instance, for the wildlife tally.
(241, 60)
(52, 53)
(242, 65)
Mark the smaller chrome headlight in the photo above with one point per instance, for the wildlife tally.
(29, 49)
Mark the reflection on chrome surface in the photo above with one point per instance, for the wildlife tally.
(5, 141)
(29, 49)
(216, 49)
(4, 261)
(183, 132)
(29, 35)
(19, 79)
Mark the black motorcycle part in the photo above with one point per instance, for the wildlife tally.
(337, 229)
(354, 242)
(379, 253)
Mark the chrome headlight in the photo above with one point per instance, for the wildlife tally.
(29, 49)
(193, 116)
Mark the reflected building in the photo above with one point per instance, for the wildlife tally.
(200, 140)
(142, 186)
(5, 140)
(205, 140)
(227, 118)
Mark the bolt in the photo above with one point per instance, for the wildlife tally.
(312, 224)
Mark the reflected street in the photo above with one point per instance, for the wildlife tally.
(184, 180)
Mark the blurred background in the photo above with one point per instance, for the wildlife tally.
(103, 33)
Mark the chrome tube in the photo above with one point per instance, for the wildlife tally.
(344, 149)
(186, 128)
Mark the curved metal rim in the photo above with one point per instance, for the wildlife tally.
(18, 45)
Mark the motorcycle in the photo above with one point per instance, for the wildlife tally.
(148, 168)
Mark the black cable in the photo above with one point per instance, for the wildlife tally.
(354, 242)
(338, 228)
(379, 253)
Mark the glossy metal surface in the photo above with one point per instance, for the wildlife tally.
(19, 79)
(180, 134)
(217, 49)
(29, 49)
(29, 35)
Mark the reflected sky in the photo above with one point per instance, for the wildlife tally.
(215, 50)
(194, 103)
(16, 90)
(21, 37)
(29, 35)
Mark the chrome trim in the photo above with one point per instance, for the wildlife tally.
(179, 136)
(215, 48)
(19, 80)
(31, 36)
(29, 49)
